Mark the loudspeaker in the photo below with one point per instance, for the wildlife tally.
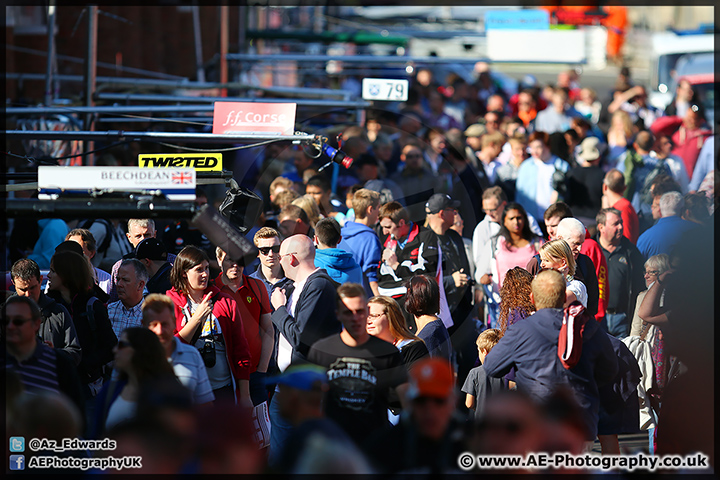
(241, 207)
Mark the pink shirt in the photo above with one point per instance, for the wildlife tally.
(509, 259)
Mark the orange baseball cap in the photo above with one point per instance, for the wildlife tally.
(432, 377)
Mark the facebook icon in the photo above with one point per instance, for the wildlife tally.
(17, 462)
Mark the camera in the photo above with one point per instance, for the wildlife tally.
(207, 352)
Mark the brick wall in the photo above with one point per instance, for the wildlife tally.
(160, 39)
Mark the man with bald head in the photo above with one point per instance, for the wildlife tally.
(531, 346)
(304, 318)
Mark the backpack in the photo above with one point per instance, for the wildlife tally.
(86, 224)
(570, 338)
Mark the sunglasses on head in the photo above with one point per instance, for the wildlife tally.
(122, 344)
(267, 250)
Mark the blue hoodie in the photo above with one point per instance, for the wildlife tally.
(339, 265)
(52, 234)
(364, 244)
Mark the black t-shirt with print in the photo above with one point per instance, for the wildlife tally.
(359, 379)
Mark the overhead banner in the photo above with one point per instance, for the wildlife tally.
(204, 162)
(176, 183)
(517, 20)
(254, 118)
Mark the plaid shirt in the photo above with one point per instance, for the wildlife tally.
(122, 318)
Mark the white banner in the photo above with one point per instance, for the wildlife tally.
(175, 183)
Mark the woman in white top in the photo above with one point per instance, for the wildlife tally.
(556, 254)
(140, 359)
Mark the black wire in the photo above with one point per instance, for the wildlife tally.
(33, 159)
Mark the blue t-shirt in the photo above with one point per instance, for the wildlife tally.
(437, 339)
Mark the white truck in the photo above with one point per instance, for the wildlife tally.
(667, 48)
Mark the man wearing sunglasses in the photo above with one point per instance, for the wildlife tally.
(56, 329)
(270, 272)
(40, 368)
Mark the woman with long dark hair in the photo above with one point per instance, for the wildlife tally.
(515, 245)
(141, 361)
(387, 322)
(210, 320)
(70, 283)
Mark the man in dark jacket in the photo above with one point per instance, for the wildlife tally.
(531, 346)
(40, 369)
(306, 317)
(456, 276)
(153, 254)
(625, 272)
(56, 328)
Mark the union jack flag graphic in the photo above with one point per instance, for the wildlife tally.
(181, 178)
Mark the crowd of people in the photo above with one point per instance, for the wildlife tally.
(496, 273)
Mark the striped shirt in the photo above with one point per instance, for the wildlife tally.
(122, 318)
(38, 373)
(190, 370)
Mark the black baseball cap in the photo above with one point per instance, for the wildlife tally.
(440, 201)
(152, 249)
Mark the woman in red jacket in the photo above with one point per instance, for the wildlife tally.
(209, 319)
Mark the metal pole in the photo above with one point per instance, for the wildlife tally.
(171, 84)
(226, 138)
(51, 54)
(224, 41)
(176, 108)
(198, 43)
(242, 28)
(175, 98)
(131, 208)
(90, 74)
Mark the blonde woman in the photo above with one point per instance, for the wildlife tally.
(556, 255)
(619, 134)
(386, 321)
(307, 203)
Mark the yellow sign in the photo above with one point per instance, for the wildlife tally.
(202, 161)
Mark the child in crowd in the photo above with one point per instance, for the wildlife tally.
(478, 386)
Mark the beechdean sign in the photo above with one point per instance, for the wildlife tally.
(174, 183)
(250, 118)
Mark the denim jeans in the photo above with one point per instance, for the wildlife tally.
(279, 431)
(492, 306)
(616, 324)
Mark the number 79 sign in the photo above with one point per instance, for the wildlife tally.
(385, 89)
